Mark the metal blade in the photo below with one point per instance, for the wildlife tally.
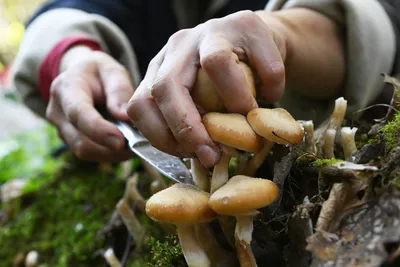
(170, 166)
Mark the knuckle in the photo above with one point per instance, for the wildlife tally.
(135, 108)
(247, 18)
(215, 58)
(159, 86)
(178, 36)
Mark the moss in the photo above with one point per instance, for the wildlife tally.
(166, 254)
(324, 162)
(391, 132)
(63, 220)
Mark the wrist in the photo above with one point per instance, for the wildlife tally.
(280, 31)
(315, 53)
(51, 65)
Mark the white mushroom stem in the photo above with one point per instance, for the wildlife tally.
(243, 235)
(328, 148)
(154, 174)
(194, 254)
(200, 174)
(348, 141)
(133, 194)
(258, 158)
(338, 113)
(206, 238)
(131, 222)
(308, 127)
(111, 259)
(220, 173)
(32, 259)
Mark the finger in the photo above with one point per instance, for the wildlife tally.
(222, 66)
(85, 149)
(170, 92)
(117, 86)
(264, 56)
(74, 95)
(146, 116)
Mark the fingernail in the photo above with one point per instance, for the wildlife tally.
(208, 156)
(114, 142)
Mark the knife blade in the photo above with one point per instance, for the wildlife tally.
(170, 166)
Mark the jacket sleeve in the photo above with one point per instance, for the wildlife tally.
(50, 26)
(370, 51)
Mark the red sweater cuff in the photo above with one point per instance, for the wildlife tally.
(49, 68)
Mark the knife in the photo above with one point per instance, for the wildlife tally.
(170, 166)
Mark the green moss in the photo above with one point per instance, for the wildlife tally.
(166, 254)
(391, 132)
(63, 221)
(324, 162)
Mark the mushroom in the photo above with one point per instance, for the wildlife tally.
(32, 259)
(131, 222)
(132, 193)
(231, 131)
(241, 196)
(348, 141)
(328, 147)
(183, 205)
(200, 174)
(205, 95)
(276, 126)
(333, 123)
(111, 259)
(217, 255)
(309, 143)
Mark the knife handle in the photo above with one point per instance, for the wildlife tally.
(129, 131)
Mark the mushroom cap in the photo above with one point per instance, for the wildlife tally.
(205, 95)
(233, 130)
(181, 204)
(265, 121)
(243, 194)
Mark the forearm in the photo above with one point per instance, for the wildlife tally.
(315, 54)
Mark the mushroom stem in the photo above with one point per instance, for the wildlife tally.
(220, 173)
(32, 259)
(133, 194)
(328, 147)
(308, 127)
(258, 158)
(348, 141)
(199, 173)
(243, 235)
(338, 113)
(194, 254)
(131, 222)
(111, 258)
(154, 174)
(206, 238)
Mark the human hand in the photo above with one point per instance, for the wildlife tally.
(88, 78)
(162, 108)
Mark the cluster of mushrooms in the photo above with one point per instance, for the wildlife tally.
(215, 195)
(234, 201)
